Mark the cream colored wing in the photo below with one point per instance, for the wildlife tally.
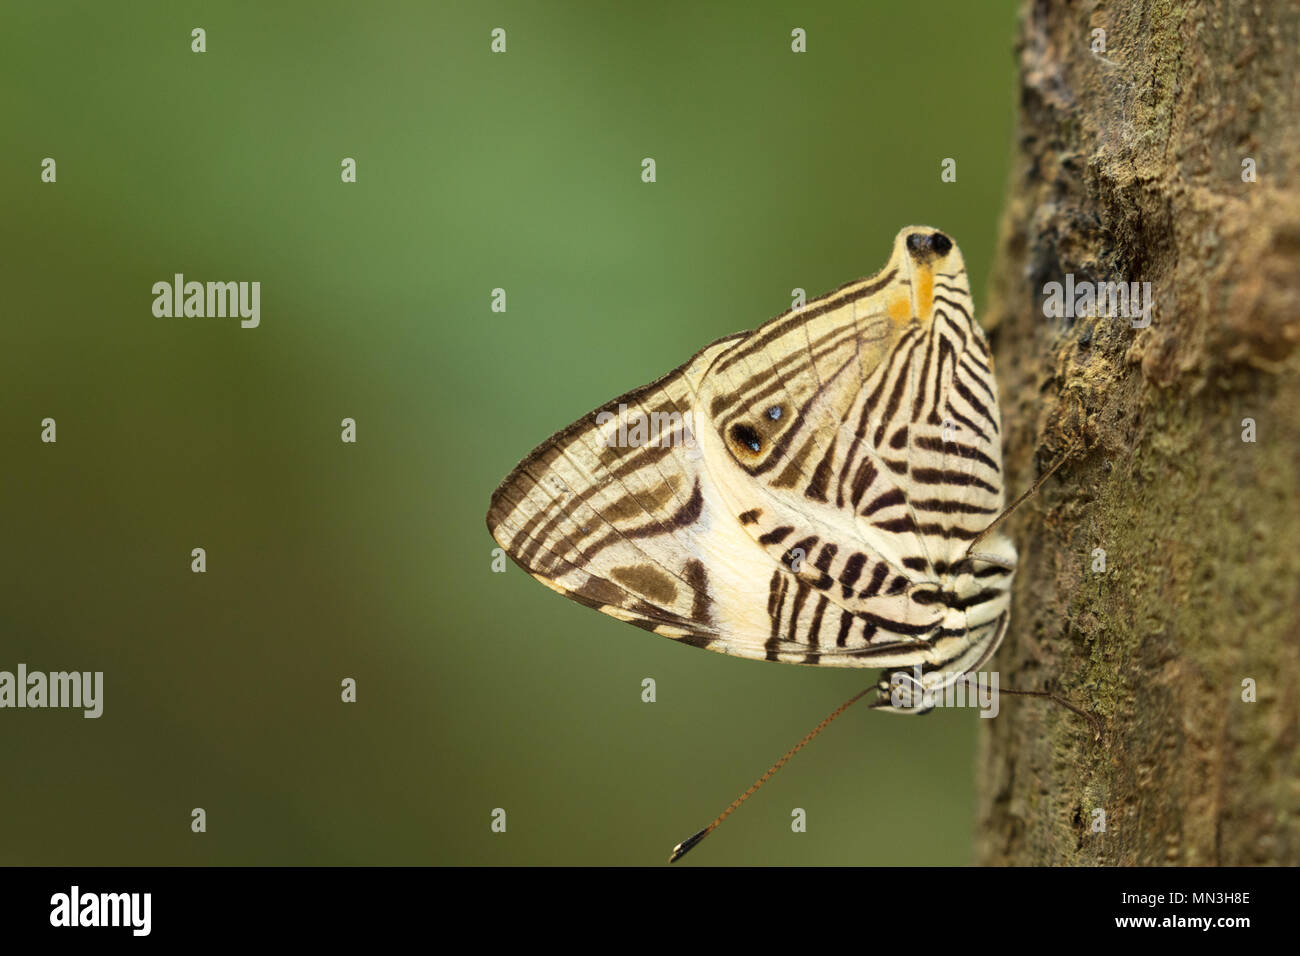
(640, 532)
(779, 496)
(860, 436)
(615, 510)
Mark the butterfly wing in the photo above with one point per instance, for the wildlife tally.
(839, 429)
(614, 510)
(779, 519)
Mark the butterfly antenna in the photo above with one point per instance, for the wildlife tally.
(1033, 490)
(681, 849)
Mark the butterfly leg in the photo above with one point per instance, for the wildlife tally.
(1007, 564)
(1092, 719)
(901, 692)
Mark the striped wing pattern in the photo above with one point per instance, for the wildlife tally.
(812, 495)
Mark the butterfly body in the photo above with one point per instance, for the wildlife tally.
(806, 493)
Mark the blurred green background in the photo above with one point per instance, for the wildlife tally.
(328, 560)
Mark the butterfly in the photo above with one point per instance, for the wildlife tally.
(811, 492)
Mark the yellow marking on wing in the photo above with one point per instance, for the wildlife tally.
(900, 308)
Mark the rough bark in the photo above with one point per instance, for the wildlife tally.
(1129, 168)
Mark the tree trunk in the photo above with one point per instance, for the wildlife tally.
(1129, 167)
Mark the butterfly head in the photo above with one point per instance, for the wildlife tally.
(933, 268)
